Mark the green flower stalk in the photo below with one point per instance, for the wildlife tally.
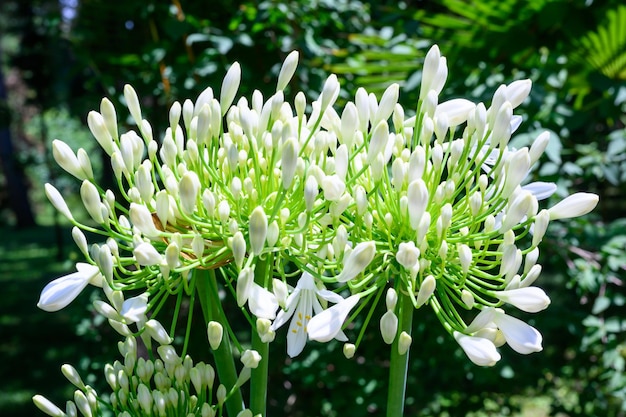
(428, 206)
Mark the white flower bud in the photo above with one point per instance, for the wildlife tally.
(349, 350)
(389, 326)
(91, 200)
(230, 85)
(517, 91)
(47, 406)
(538, 147)
(391, 299)
(223, 211)
(142, 219)
(311, 191)
(257, 230)
(251, 358)
(574, 205)
(357, 261)
(143, 181)
(80, 240)
(146, 254)
(387, 103)
(468, 299)
(57, 201)
(65, 157)
(188, 189)
(404, 343)
(287, 70)
(456, 111)
(330, 92)
(172, 255)
(289, 162)
(528, 299)
(429, 72)
(516, 170)
(238, 247)
(517, 211)
(407, 254)
(531, 276)
(479, 350)
(132, 102)
(426, 290)
(85, 163)
(417, 194)
(158, 333)
(215, 332)
(378, 142)
(540, 226)
(106, 310)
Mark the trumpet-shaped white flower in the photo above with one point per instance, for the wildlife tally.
(62, 291)
(305, 300)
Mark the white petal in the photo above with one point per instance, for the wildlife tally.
(480, 351)
(62, 291)
(262, 302)
(134, 309)
(326, 325)
(520, 336)
(541, 190)
(457, 110)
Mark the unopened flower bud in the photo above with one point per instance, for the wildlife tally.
(468, 299)
(230, 85)
(426, 290)
(574, 205)
(158, 332)
(391, 299)
(238, 247)
(465, 257)
(215, 332)
(349, 350)
(250, 358)
(389, 326)
(257, 230)
(289, 162)
(146, 254)
(540, 226)
(357, 261)
(404, 343)
(407, 254)
(287, 70)
(57, 201)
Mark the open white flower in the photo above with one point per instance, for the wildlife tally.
(62, 291)
(301, 304)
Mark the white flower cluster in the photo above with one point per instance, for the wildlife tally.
(167, 386)
(356, 202)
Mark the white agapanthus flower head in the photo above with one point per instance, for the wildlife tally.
(429, 200)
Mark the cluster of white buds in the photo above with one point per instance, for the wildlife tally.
(433, 203)
(167, 386)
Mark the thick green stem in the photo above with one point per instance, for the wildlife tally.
(206, 285)
(259, 377)
(399, 363)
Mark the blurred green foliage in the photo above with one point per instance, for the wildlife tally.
(574, 51)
